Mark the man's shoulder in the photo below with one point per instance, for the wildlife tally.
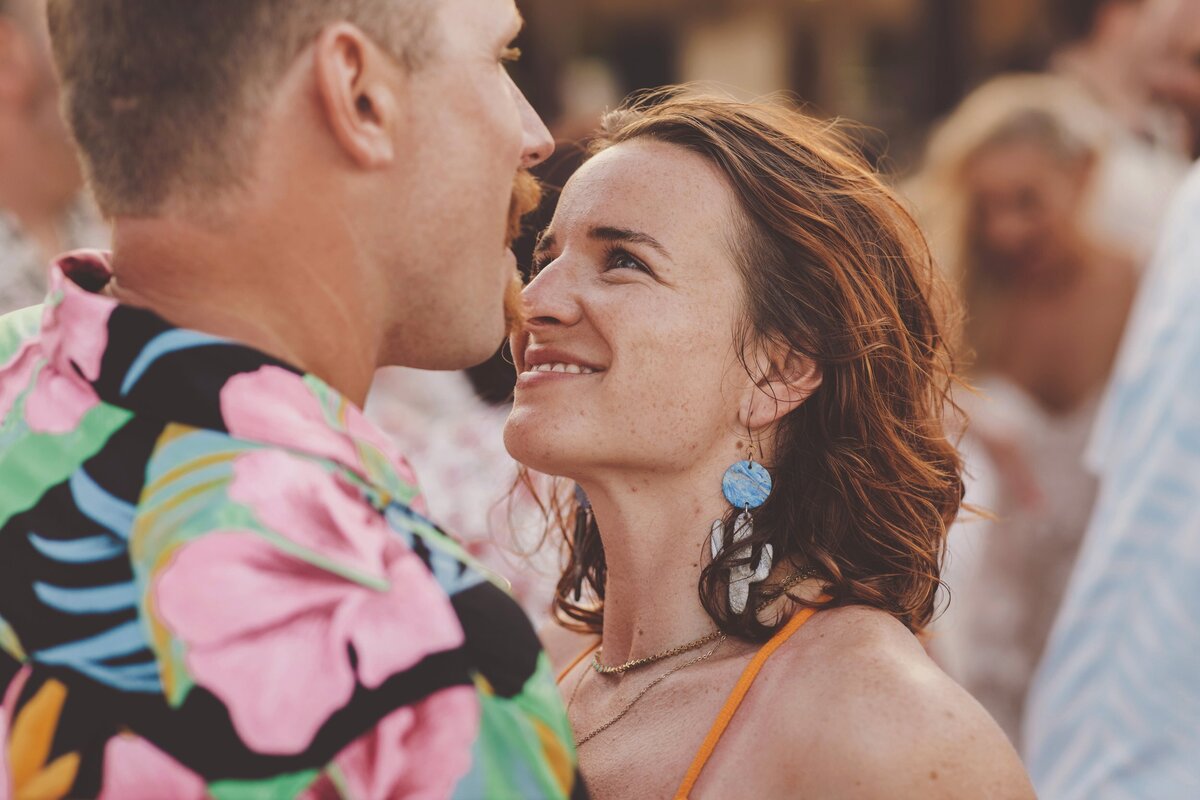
(198, 480)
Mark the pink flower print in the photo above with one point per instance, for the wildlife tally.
(267, 624)
(279, 407)
(134, 769)
(75, 331)
(58, 402)
(72, 340)
(421, 751)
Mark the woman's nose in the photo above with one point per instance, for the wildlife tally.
(553, 297)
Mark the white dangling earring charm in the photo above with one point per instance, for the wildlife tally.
(746, 485)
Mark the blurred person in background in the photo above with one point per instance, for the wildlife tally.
(217, 578)
(1113, 711)
(1168, 39)
(1104, 53)
(43, 209)
(747, 383)
(1046, 302)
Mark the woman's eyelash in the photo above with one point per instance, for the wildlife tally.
(615, 257)
(620, 258)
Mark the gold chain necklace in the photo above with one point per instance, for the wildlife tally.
(720, 637)
(690, 646)
(641, 662)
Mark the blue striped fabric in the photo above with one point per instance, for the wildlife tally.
(111, 513)
(171, 341)
(95, 655)
(1114, 712)
(86, 550)
(119, 656)
(89, 600)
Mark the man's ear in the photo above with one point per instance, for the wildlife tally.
(357, 86)
(789, 379)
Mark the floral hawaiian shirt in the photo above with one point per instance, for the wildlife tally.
(216, 581)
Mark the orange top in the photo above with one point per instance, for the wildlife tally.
(749, 674)
(563, 675)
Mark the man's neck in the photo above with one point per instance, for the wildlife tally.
(259, 282)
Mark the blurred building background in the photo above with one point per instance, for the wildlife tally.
(894, 65)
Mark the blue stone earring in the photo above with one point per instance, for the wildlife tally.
(746, 485)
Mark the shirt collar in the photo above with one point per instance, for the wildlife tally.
(134, 359)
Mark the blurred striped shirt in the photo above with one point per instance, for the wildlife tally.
(1114, 711)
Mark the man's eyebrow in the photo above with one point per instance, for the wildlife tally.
(609, 233)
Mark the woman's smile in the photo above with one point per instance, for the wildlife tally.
(540, 363)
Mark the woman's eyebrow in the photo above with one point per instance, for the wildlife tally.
(609, 233)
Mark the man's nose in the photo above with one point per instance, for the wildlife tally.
(538, 144)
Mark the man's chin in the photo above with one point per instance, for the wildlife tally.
(473, 342)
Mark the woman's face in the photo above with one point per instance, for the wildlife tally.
(1025, 204)
(627, 364)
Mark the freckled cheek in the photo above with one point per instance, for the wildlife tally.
(671, 375)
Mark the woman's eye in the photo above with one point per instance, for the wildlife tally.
(619, 259)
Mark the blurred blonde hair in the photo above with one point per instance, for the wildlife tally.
(1045, 109)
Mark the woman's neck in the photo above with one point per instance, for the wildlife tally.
(655, 533)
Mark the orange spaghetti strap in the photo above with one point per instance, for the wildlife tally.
(735, 699)
(575, 663)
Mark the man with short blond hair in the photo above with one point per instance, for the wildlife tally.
(217, 579)
(148, 109)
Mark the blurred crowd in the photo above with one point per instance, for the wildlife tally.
(1043, 192)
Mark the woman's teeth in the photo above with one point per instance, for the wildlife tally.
(573, 369)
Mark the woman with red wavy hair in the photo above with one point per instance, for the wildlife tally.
(736, 350)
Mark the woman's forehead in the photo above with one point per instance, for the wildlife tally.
(648, 184)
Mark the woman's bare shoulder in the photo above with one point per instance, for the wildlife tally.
(880, 719)
(562, 645)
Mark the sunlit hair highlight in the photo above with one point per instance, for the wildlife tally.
(835, 269)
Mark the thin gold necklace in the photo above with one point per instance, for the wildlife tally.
(702, 657)
(718, 635)
(641, 662)
(619, 669)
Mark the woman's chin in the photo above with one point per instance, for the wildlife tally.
(527, 442)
